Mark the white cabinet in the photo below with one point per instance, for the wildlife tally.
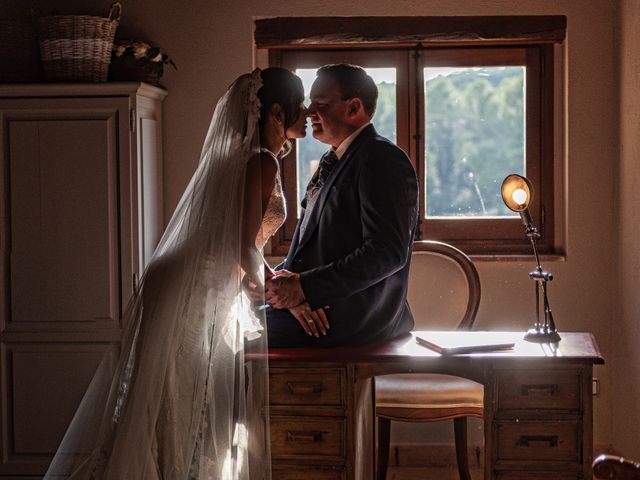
(80, 215)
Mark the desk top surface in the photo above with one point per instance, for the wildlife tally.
(574, 347)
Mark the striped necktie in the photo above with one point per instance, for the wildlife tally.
(327, 162)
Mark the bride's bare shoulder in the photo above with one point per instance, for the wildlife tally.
(265, 163)
(261, 173)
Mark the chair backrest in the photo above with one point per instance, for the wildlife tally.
(616, 468)
(444, 288)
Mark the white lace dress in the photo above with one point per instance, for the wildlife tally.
(174, 413)
(276, 211)
(182, 402)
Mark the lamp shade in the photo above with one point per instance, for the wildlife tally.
(517, 192)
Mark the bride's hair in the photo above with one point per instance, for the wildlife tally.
(280, 86)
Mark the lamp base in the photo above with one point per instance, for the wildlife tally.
(542, 335)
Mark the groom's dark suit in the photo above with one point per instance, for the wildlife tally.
(355, 252)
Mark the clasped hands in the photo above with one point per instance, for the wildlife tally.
(283, 290)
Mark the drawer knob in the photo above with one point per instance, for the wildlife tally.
(304, 388)
(540, 388)
(313, 436)
(527, 440)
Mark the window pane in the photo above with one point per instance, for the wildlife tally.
(309, 150)
(474, 138)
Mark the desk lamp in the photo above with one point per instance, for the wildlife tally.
(517, 193)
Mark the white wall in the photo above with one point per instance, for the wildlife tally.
(211, 41)
(625, 357)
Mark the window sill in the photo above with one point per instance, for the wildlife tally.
(521, 257)
(274, 260)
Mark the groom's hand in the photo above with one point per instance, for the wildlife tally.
(284, 290)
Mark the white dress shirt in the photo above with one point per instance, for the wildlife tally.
(347, 141)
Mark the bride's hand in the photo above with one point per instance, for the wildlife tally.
(312, 321)
(255, 291)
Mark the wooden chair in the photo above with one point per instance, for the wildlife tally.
(434, 397)
(613, 467)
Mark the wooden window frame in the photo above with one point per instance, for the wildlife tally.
(481, 43)
(497, 235)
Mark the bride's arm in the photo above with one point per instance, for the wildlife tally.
(259, 182)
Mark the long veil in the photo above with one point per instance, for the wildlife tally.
(184, 402)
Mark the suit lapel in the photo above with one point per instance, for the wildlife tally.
(316, 212)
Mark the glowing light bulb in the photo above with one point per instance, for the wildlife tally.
(519, 196)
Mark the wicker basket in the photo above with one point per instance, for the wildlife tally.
(121, 72)
(77, 47)
(19, 60)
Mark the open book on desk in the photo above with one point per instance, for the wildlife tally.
(464, 342)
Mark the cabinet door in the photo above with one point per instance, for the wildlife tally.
(66, 263)
(64, 266)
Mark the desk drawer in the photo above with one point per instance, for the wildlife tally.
(312, 472)
(308, 437)
(550, 390)
(299, 387)
(544, 441)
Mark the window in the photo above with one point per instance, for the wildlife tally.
(468, 114)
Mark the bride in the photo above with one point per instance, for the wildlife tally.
(183, 400)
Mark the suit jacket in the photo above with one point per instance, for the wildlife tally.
(355, 252)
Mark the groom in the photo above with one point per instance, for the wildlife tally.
(351, 249)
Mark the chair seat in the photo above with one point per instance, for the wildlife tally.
(428, 391)
(453, 285)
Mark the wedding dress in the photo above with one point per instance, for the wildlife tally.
(184, 401)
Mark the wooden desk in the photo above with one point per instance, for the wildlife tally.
(538, 406)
